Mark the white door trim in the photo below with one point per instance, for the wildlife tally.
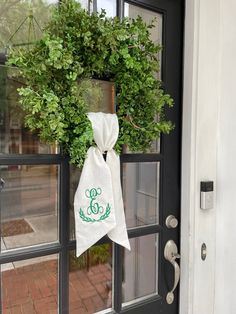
(199, 150)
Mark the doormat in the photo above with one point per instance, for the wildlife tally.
(15, 227)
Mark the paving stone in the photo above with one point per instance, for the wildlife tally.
(33, 289)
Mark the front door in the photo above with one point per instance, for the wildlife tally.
(39, 271)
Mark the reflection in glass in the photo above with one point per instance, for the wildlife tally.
(141, 193)
(30, 286)
(148, 16)
(90, 280)
(86, 4)
(108, 5)
(98, 94)
(21, 22)
(29, 205)
(140, 268)
(14, 137)
(97, 5)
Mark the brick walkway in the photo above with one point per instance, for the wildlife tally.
(33, 289)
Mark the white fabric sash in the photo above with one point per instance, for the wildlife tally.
(98, 202)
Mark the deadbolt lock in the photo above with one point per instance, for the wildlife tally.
(171, 222)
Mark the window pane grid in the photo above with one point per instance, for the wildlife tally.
(65, 245)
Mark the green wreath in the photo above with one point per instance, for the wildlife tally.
(76, 45)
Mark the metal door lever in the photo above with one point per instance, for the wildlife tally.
(171, 253)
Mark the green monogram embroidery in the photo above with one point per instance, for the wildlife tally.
(94, 208)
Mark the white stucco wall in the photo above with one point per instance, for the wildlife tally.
(209, 150)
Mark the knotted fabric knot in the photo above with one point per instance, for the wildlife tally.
(98, 202)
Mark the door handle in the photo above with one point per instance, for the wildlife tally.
(171, 253)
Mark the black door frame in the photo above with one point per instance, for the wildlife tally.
(170, 152)
(60, 247)
(169, 159)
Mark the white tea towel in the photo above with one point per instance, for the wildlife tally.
(98, 202)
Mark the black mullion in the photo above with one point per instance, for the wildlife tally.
(1, 299)
(64, 238)
(117, 249)
(117, 277)
(30, 159)
(144, 230)
(141, 157)
(120, 8)
(144, 5)
(29, 252)
(143, 307)
(161, 261)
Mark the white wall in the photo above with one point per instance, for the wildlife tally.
(209, 151)
(199, 154)
(225, 300)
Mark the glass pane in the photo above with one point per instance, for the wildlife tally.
(140, 268)
(141, 193)
(98, 94)
(98, 5)
(108, 5)
(84, 3)
(30, 286)
(29, 205)
(148, 16)
(21, 22)
(90, 280)
(14, 137)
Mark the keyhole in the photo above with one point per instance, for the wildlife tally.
(203, 251)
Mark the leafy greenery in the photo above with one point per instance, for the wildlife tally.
(97, 254)
(76, 45)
